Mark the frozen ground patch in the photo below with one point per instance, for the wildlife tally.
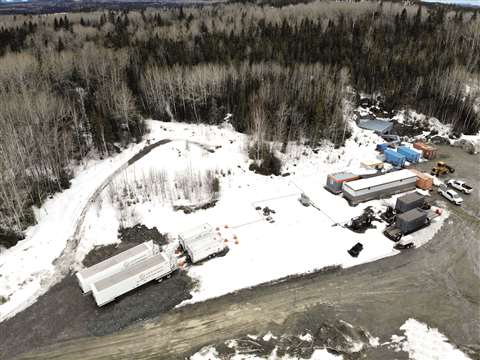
(424, 343)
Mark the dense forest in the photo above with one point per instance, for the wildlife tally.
(79, 85)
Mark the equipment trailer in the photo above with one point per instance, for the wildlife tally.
(154, 268)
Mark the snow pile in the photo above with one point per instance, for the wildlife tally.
(210, 353)
(425, 343)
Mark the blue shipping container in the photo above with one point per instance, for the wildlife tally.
(394, 158)
(382, 147)
(410, 154)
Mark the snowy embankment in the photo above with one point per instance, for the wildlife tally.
(301, 239)
(424, 343)
(27, 269)
(419, 341)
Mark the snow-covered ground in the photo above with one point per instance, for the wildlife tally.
(27, 270)
(422, 342)
(301, 239)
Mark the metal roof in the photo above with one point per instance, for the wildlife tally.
(92, 270)
(131, 271)
(381, 179)
(375, 125)
(343, 175)
(411, 215)
(411, 198)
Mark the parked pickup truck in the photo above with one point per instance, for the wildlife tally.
(450, 195)
(460, 185)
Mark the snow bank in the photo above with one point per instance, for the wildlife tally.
(210, 353)
(424, 343)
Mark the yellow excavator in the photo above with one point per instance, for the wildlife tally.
(441, 169)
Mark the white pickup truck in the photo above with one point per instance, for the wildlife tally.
(460, 185)
(450, 195)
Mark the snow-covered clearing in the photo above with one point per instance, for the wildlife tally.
(301, 239)
(424, 343)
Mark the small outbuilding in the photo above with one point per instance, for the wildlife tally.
(411, 221)
(380, 127)
(428, 152)
(335, 181)
(409, 201)
(201, 242)
(424, 180)
(377, 187)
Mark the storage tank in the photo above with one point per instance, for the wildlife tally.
(411, 155)
(394, 158)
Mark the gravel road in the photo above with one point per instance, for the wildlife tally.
(437, 284)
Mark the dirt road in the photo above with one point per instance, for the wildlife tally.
(437, 284)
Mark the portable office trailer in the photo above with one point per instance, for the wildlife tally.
(201, 242)
(424, 180)
(335, 181)
(411, 221)
(409, 201)
(411, 155)
(153, 268)
(379, 186)
(428, 152)
(394, 158)
(104, 269)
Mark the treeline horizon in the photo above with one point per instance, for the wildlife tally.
(79, 84)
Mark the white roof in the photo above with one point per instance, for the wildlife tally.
(380, 180)
(134, 251)
(135, 270)
(199, 231)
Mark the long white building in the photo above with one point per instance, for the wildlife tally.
(379, 186)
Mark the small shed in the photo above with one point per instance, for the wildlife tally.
(335, 181)
(409, 201)
(411, 221)
(201, 242)
(381, 127)
(428, 152)
(424, 180)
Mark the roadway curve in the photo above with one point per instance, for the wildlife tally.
(437, 284)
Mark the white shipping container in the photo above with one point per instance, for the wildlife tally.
(117, 263)
(379, 183)
(153, 268)
(201, 242)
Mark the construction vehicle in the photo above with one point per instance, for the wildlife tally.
(363, 222)
(441, 169)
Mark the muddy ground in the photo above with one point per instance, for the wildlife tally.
(65, 313)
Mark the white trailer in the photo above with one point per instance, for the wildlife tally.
(379, 186)
(115, 264)
(201, 242)
(154, 268)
